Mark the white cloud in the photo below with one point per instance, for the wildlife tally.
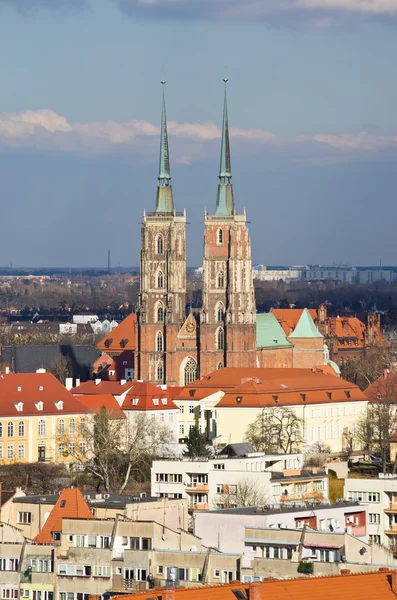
(45, 129)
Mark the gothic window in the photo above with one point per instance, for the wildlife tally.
(220, 365)
(220, 311)
(220, 339)
(160, 342)
(190, 371)
(160, 280)
(221, 280)
(160, 313)
(160, 245)
(219, 237)
(159, 371)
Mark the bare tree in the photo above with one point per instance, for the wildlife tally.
(367, 368)
(247, 492)
(276, 430)
(61, 368)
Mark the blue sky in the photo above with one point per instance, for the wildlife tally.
(312, 106)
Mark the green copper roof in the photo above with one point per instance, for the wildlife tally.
(333, 364)
(269, 333)
(225, 199)
(164, 201)
(305, 327)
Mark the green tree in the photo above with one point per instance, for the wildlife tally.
(196, 444)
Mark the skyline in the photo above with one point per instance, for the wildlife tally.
(313, 136)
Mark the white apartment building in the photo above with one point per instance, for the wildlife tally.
(380, 498)
(216, 482)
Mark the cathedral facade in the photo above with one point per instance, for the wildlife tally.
(173, 347)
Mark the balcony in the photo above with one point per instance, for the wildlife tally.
(392, 508)
(392, 530)
(200, 506)
(202, 488)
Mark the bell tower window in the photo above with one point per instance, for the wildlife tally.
(160, 245)
(159, 371)
(160, 313)
(219, 237)
(220, 339)
(221, 280)
(160, 280)
(220, 312)
(160, 342)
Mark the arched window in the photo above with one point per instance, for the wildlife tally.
(21, 429)
(160, 280)
(82, 426)
(72, 426)
(220, 311)
(221, 280)
(220, 366)
(1, 430)
(41, 427)
(219, 237)
(61, 427)
(220, 339)
(160, 313)
(190, 372)
(160, 245)
(160, 342)
(10, 429)
(159, 372)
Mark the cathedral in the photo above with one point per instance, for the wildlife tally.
(173, 347)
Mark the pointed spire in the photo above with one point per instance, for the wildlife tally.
(164, 201)
(225, 199)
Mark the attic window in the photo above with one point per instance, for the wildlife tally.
(156, 401)
(239, 399)
(163, 401)
(56, 536)
(192, 392)
(19, 388)
(39, 405)
(275, 398)
(123, 342)
(41, 388)
(135, 401)
(329, 394)
(239, 594)
(348, 393)
(303, 396)
(108, 342)
(63, 504)
(19, 406)
(59, 404)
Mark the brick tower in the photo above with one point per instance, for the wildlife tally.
(162, 300)
(228, 316)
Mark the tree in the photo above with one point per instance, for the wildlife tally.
(117, 452)
(367, 368)
(61, 368)
(276, 430)
(247, 492)
(196, 444)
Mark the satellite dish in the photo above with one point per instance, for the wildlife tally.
(163, 537)
(349, 530)
(362, 550)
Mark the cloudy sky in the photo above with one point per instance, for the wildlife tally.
(312, 106)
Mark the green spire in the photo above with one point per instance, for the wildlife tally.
(164, 201)
(305, 327)
(225, 200)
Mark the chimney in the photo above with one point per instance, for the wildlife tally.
(77, 381)
(40, 370)
(123, 381)
(393, 581)
(7, 370)
(168, 593)
(163, 386)
(255, 590)
(97, 381)
(385, 373)
(345, 571)
(69, 383)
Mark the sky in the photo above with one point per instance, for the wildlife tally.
(312, 98)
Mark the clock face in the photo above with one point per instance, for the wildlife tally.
(190, 327)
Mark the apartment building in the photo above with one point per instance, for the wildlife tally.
(380, 498)
(218, 482)
(225, 529)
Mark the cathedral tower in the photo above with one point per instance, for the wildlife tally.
(162, 300)
(228, 317)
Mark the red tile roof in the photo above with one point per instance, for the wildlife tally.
(385, 386)
(368, 586)
(70, 504)
(289, 317)
(146, 396)
(26, 390)
(113, 368)
(121, 337)
(96, 402)
(102, 387)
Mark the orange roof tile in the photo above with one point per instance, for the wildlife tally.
(385, 385)
(25, 391)
(121, 337)
(102, 387)
(146, 396)
(371, 586)
(70, 504)
(96, 402)
(289, 317)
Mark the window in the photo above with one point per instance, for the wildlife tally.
(160, 280)
(160, 245)
(191, 409)
(181, 409)
(219, 488)
(41, 427)
(21, 451)
(61, 427)
(24, 518)
(219, 237)
(21, 429)
(146, 544)
(1, 452)
(160, 313)
(82, 426)
(100, 571)
(134, 543)
(160, 569)
(72, 426)
(220, 280)
(183, 574)
(373, 496)
(181, 430)
(220, 365)
(10, 452)
(10, 429)
(190, 371)
(220, 339)
(217, 573)
(1, 430)
(83, 448)
(160, 342)
(220, 312)
(374, 539)
(159, 372)
(374, 517)
(61, 449)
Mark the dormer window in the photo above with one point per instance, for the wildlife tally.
(192, 392)
(156, 401)
(135, 401)
(19, 406)
(163, 401)
(329, 394)
(275, 398)
(303, 396)
(59, 404)
(349, 394)
(41, 388)
(39, 405)
(239, 399)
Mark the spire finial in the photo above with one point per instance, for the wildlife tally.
(225, 201)
(164, 201)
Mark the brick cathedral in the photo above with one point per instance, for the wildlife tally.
(172, 346)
